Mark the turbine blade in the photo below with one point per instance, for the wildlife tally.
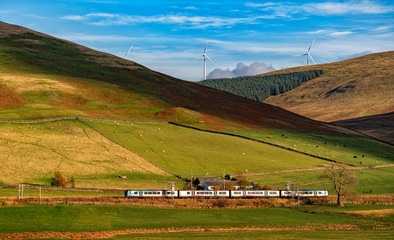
(198, 57)
(210, 59)
(127, 54)
(312, 58)
(300, 55)
(206, 44)
(311, 45)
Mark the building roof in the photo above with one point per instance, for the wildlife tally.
(208, 179)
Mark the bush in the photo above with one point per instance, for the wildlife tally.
(59, 180)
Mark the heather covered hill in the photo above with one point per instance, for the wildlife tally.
(379, 126)
(348, 89)
(47, 77)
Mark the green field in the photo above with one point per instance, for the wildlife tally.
(14, 192)
(339, 147)
(77, 218)
(350, 235)
(38, 150)
(378, 180)
(185, 151)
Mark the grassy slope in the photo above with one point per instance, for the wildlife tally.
(339, 147)
(71, 147)
(183, 150)
(348, 89)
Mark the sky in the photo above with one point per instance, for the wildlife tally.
(244, 37)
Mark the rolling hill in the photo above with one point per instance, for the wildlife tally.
(43, 76)
(120, 112)
(348, 89)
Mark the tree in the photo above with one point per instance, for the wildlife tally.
(340, 176)
(59, 180)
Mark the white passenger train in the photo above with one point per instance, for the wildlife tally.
(225, 193)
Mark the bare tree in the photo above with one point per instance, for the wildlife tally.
(340, 176)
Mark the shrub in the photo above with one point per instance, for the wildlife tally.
(59, 180)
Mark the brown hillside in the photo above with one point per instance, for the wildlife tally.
(90, 82)
(348, 89)
(379, 126)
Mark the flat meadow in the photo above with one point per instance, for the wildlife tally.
(120, 222)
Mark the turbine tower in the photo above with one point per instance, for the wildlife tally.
(307, 54)
(205, 56)
(127, 54)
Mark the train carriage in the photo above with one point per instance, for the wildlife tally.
(222, 193)
(167, 193)
(185, 193)
(254, 193)
(321, 193)
(152, 193)
(237, 193)
(132, 193)
(272, 193)
(203, 193)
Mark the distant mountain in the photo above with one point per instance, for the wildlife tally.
(348, 89)
(44, 77)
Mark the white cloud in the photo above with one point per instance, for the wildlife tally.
(382, 28)
(191, 8)
(286, 9)
(352, 7)
(74, 17)
(105, 19)
(338, 34)
(241, 70)
(85, 37)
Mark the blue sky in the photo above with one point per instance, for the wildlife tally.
(168, 34)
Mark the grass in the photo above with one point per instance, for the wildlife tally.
(350, 235)
(183, 150)
(339, 147)
(13, 192)
(38, 150)
(378, 180)
(76, 218)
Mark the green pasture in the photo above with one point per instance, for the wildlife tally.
(378, 180)
(32, 152)
(349, 235)
(186, 151)
(339, 147)
(14, 192)
(78, 218)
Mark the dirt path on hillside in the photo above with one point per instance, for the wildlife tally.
(111, 234)
(311, 169)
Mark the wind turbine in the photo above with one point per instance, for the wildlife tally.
(307, 54)
(127, 54)
(205, 56)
